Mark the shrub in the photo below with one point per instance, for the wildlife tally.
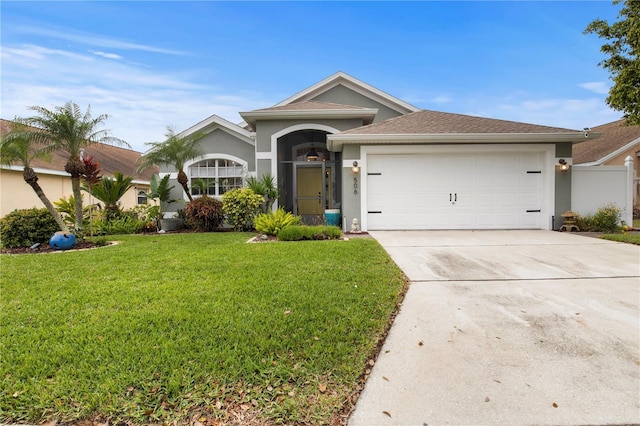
(24, 228)
(272, 223)
(204, 214)
(303, 232)
(127, 224)
(240, 207)
(606, 219)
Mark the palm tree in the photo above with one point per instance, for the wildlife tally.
(109, 191)
(175, 151)
(68, 129)
(15, 148)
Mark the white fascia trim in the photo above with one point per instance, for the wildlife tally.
(231, 128)
(335, 142)
(365, 113)
(354, 84)
(38, 170)
(548, 150)
(141, 182)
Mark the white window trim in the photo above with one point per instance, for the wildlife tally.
(214, 156)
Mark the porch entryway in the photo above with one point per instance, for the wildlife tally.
(308, 175)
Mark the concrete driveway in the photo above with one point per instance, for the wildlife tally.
(509, 327)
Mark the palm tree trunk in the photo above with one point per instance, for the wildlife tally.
(184, 180)
(77, 195)
(31, 178)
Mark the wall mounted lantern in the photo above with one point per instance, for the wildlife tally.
(564, 166)
(355, 169)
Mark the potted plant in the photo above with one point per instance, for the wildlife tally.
(161, 191)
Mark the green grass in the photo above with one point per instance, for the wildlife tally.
(161, 327)
(630, 238)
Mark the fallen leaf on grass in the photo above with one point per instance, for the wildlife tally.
(287, 312)
(322, 388)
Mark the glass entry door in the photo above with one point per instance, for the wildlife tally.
(313, 191)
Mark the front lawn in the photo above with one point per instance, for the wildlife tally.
(629, 237)
(190, 327)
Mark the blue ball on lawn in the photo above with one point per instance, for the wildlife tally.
(62, 241)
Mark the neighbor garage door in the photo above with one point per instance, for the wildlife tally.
(455, 191)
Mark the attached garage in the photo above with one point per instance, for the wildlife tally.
(453, 187)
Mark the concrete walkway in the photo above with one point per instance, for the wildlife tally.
(509, 327)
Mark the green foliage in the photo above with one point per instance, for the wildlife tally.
(272, 223)
(24, 228)
(304, 232)
(126, 224)
(204, 214)
(66, 208)
(623, 62)
(241, 206)
(110, 191)
(606, 219)
(265, 186)
(629, 238)
(174, 151)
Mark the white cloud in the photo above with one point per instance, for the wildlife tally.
(93, 39)
(599, 87)
(140, 101)
(106, 55)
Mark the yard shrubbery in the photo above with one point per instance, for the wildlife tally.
(204, 214)
(241, 206)
(273, 222)
(23, 228)
(606, 219)
(304, 232)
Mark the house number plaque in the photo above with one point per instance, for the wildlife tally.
(355, 185)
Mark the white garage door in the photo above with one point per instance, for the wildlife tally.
(454, 191)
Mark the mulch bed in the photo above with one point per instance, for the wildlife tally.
(44, 248)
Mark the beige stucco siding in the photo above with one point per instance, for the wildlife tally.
(15, 193)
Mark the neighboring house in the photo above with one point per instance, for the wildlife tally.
(343, 144)
(617, 142)
(56, 183)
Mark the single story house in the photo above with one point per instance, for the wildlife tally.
(617, 142)
(15, 193)
(344, 144)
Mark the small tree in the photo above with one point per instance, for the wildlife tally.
(110, 191)
(68, 129)
(17, 147)
(267, 187)
(160, 191)
(623, 62)
(175, 151)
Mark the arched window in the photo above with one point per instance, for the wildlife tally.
(142, 199)
(214, 177)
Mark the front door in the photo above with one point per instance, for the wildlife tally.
(313, 190)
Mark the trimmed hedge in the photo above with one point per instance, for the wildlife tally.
(303, 232)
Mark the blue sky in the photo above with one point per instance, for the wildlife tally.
(150, 64)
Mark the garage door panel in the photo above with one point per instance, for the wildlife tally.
(493, 191)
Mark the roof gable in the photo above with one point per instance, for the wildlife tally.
(342, 79)
(215, 122)
(616, 137)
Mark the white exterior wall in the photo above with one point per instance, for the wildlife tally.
(593, 187)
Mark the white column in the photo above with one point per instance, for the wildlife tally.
(628, 213)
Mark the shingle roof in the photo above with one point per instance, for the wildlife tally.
(312, 105)
(111, 158)
(435, 122)
(615, 135)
